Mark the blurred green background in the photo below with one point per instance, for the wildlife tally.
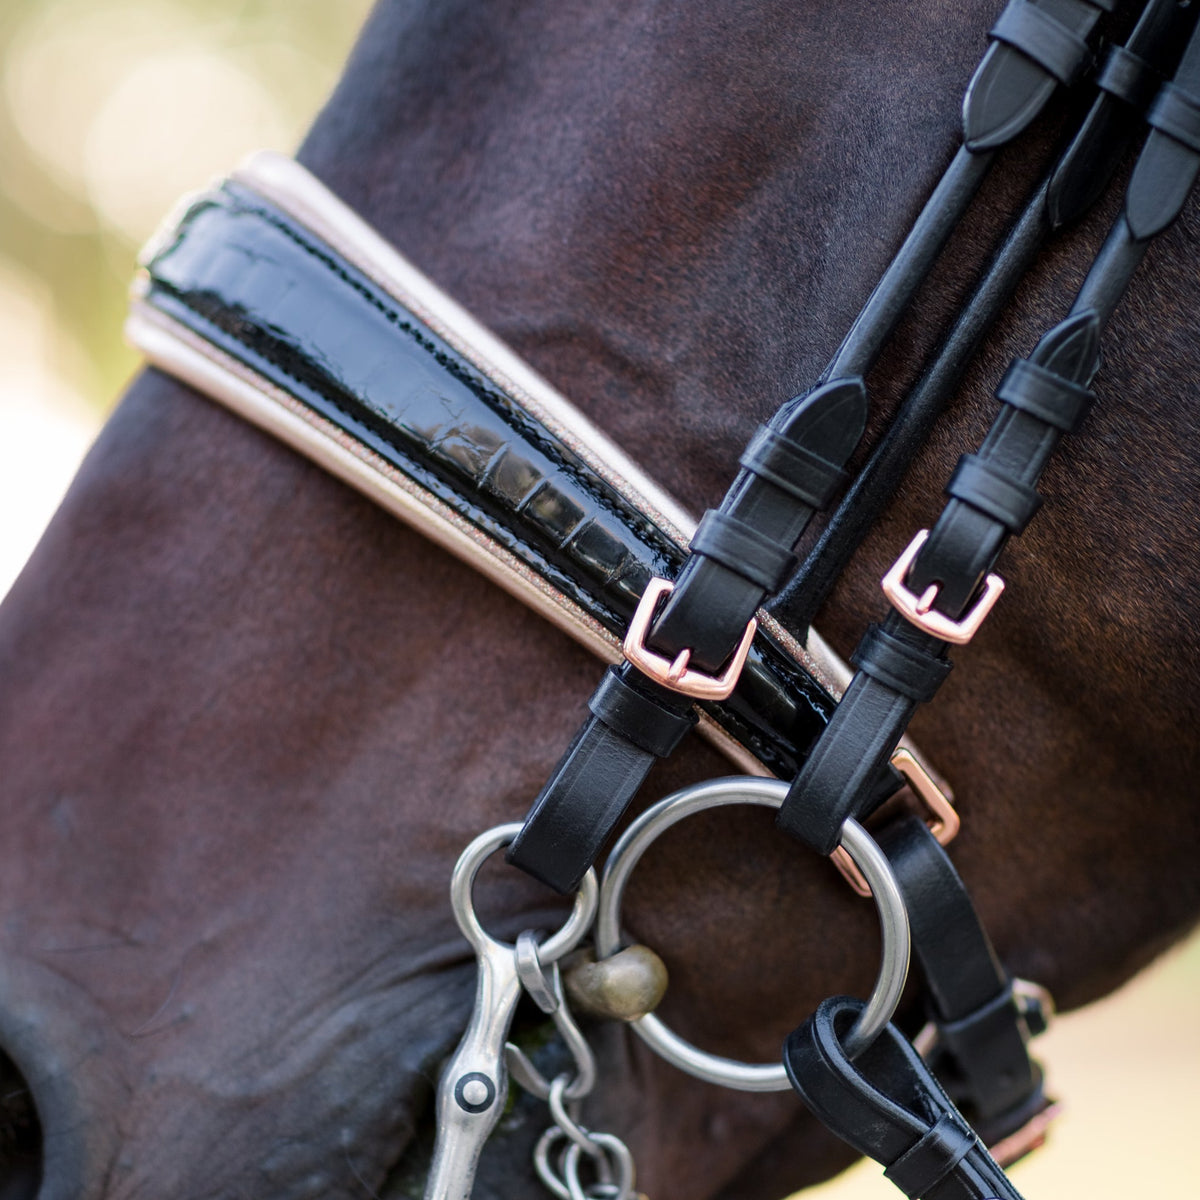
(109, 110)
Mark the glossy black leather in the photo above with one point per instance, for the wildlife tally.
(246, 277)
(887, 1105)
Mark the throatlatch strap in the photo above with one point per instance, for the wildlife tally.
(888, 1105)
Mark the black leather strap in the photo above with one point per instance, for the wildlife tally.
(758, 559)
(888, 1105)
(787, 464)
(1036, 46)
(862, 734)
(1129, 77)
(1177, 113)
(722, 586)
(990, 489)
(964, 543)
(655, 724)
(899, 665)
(1040, 36)
(795, 464)
(839, 778)
(1076, 182)
(1045, 395)
(836, 781)
(740, 554)
(981, 1056)
(1167, 167)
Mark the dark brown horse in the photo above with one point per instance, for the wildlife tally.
(248, 720)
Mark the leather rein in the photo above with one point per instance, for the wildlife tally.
(334, 343)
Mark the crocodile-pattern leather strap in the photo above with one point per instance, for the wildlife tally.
(249, 285)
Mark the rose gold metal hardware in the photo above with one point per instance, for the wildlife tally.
(1028, 1138)
(674, 673)
(1030, 995)
(919, 609)
(941, 817)
(1033, 1133)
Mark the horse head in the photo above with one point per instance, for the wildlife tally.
(249, 720)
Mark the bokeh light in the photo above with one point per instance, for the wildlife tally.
(110, 110)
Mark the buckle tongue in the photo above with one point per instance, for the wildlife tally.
(919, 610)
(675, 673)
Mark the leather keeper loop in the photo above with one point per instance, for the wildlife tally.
(793, 468)
(997, 1013)
(897, 665)
(1129, 78)
(1177, 114)
(1042, 38)
(1045, 395)
(919, 1170)
(742, 549)
(995, 494)
(643, 721)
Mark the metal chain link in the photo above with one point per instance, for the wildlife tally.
(566, 1145)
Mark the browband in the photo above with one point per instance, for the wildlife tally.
(268, 294)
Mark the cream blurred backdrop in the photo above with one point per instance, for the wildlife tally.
(110, 109)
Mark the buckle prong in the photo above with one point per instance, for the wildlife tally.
(919, 609)
(675, 673)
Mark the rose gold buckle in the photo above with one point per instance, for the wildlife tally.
(919, 609)
(674, 673)
(942, 819)
(1028, 1138)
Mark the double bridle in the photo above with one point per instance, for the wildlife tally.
(499, 469)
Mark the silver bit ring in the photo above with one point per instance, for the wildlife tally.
(767, 793)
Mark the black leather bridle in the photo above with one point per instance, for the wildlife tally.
(693, 646)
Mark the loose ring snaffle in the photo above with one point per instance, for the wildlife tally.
(767, 793)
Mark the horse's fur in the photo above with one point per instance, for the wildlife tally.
(248, 721)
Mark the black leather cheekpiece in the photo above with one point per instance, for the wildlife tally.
(740, 547)
(1177, 113)
(994, 493)
(1044, 394)
(900, 665)
(1129, 77)
(791, 466)
(1044, 39)
(651, 726)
